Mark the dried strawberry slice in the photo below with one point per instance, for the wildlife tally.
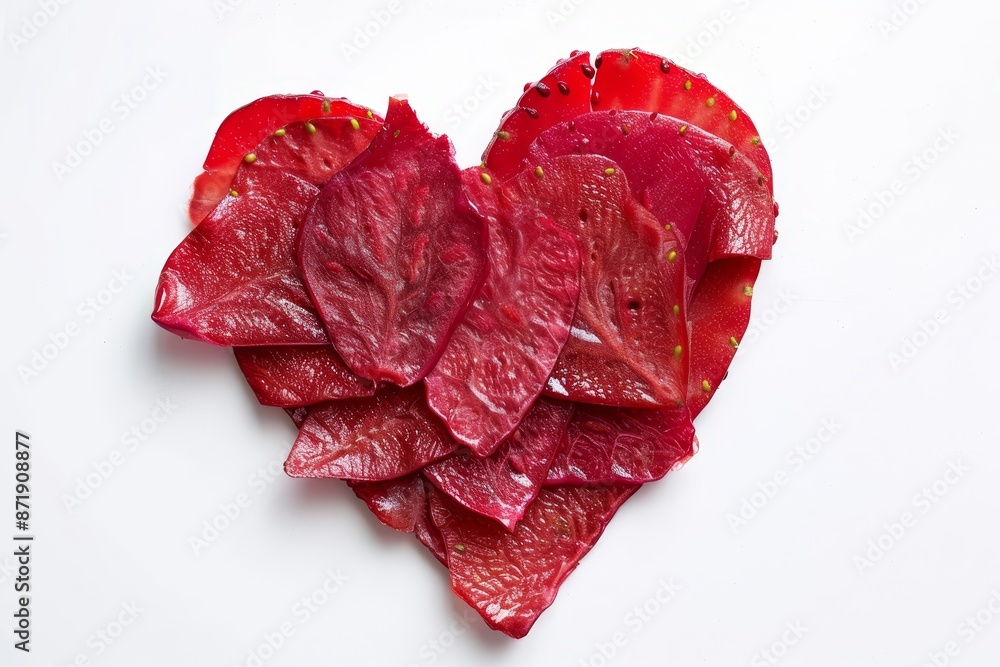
(633, 79)
(511, 578)
(687, 178)
(627, 346)
(719, 314)
(607, 445)
(561, 95)
(398, 503)
(403, 504)
(370, 439)
(503, 485)
(393, 253)
(234, 279)
(246, 127)
(299, 375)
(500, 356)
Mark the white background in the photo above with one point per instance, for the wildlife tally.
(829, 310)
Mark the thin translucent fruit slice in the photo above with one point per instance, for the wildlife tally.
(234, 279)
(393, 253)
(299, 375)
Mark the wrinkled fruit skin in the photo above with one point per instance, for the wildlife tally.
(493, 359)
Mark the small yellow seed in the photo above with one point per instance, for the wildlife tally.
(370, 114)
(486, 178)
(234, 193)
(610, 171)
(748, 290)
(755, 141)
(395, 134)
(732, 341)
(678, 351)
(249, 158)
(355, 124)
(326, 106)
(668, 227)
(710, 102)
(538, 172)
(732, 115)
(459, 547)
(677, 309)
(672, 255)
(280, 132)
(706, 385)
(687, 85)
(683, 130)
(503, 135)
(310, 128)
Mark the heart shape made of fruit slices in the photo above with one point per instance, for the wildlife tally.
(494, 358)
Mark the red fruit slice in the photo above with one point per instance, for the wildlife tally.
(627, 346)
(234, 279)
(392, 252)
(370, 439)
(246, 127)
(561, 95)
(609, 445)
(402, 504)
(633, 79)
(299, 375)
(398, 503)
(298, 415)
(501, 354)
(511, 578)
(503, 485)
(687, 178)
(719, 314)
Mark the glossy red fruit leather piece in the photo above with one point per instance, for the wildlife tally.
(393, 253)
(606, 445)
(370, 439)
(503, 485)
(502, 352)
(234, 279)
(627, 345)
(511, 578)
(403, 504)
(560, 95)
(633, 79)
(719, 314)
(299, 375)
(246, 127)
(687, 178)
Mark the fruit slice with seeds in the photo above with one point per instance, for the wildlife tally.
(719, 314)
(628, 342)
